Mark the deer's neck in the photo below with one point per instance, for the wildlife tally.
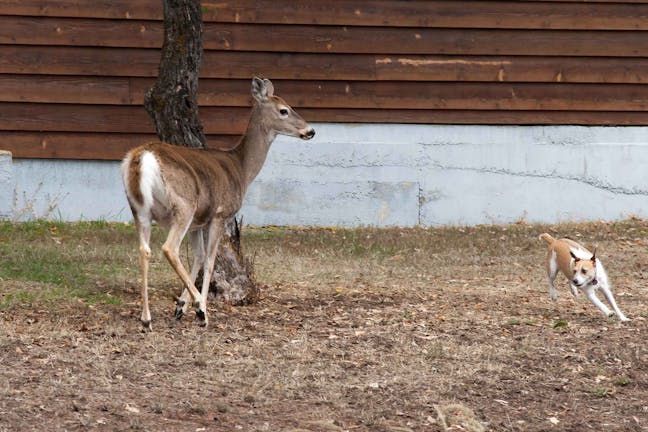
(254, 146)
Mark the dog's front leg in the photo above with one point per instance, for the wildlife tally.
(591, 294)
(574, 290)
(610, 299)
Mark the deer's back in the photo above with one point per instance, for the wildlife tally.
(207, 180)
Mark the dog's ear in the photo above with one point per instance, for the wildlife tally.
(594, 255)
(576, 259)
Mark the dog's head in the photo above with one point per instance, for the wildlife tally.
(583, 270)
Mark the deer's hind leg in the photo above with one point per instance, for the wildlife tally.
(144, 234)
(198, 248)
(171, 249)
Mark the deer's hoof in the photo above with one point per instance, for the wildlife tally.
(146, 326)
(179, 311)
(202, 318)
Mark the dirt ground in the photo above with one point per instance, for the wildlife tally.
(391, 330)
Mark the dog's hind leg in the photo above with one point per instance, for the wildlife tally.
(610, 299)
(552, 271)
(590, 291)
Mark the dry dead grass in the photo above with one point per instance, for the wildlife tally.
(361, 330)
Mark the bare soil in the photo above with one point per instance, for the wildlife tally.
(391, 330)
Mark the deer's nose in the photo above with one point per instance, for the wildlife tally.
(310, 133)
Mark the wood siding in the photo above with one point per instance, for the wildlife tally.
(73, 72)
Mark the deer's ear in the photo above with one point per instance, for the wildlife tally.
(260, 89)
(269, 87)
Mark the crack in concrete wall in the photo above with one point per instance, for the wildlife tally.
(590, 181)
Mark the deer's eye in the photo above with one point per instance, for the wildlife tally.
(283, 111)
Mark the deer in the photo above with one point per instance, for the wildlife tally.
(196, 191)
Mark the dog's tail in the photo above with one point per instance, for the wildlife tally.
(546, 237)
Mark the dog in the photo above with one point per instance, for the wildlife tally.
(583, 270)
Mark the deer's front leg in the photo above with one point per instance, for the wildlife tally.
(214, 233)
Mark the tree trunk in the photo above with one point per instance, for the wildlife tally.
(172, 103)
(233, 278)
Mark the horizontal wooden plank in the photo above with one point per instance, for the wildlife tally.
(140, 62)
(429, 95)
(120, 9)
(390, 13)
(513, 69)
(67, 89)
(588, 1)
(101, 146)
(232, 120)
(25, 59)
(335, 39)
(329, 39)
(439, 14)
(339, 94)
(137, 62)
(500, 117)
(107, 118)
(80, 32)
(426, 95)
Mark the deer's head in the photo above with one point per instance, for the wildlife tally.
(277, 114)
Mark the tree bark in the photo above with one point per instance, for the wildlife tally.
(172, 103)
(233, 278)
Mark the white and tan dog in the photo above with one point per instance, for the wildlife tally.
(583, 270)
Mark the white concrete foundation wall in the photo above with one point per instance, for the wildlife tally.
(6, 184)
(382, 175)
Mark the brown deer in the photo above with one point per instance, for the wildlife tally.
(199, 190)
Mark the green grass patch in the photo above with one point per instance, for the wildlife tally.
(10, 300)
(559, 324)
(46, 268)
(601, 392)
(622, 381)
(49, 295)
(63, 262)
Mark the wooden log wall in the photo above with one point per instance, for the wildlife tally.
(73, 72)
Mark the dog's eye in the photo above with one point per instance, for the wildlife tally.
(583, 271)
